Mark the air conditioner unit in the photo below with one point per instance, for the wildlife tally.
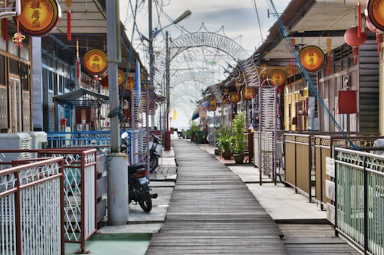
(15, 141)
(39, 141)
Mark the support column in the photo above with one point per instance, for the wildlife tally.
(117, 193)
(37, 92)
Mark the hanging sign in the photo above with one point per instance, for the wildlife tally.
(235, 97)
(249, 93)
(38, 17)
(120, 77)
(212, 102)
(278, 77)
(374, 11)
(312, 58)
(95, 61)
(226, 100)
(130, 83)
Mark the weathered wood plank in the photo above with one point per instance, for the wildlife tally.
(213, 212)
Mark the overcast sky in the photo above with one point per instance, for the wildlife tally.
(237, 16)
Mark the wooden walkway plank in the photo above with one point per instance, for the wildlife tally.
(213, 212)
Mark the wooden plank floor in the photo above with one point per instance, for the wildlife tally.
(314, 240)
(213, 212)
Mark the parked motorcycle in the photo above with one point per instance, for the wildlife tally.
(153, 154)
(138, 187)
(139, 190)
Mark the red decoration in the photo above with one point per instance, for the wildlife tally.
(347, 101)
(359, 19)
(379, 40)
(104, 82)
(353, 40)
(5, 29)
(69, 26)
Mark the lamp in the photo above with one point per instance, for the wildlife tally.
(183, 16)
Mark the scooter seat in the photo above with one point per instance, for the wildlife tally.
(136, 167)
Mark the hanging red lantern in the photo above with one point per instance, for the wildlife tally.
(352, 39)
(104, 82)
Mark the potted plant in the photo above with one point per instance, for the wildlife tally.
(223, 130)
(193, 130)
(240, 140)
(225, 145)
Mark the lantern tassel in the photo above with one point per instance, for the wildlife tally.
(379, 40)
(358, 19)
(291, 64)
(329, 64)
(5, 29)
(69, 26)
(355, 51)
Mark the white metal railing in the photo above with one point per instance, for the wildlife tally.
(359, 198)
(31, 207)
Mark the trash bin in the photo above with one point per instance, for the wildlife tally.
(199, 136)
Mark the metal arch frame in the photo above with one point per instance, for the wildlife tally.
(189, 86)
(212, 40)
(189, 96)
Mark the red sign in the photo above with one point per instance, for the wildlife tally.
(95, 61)
(38, 17)
(312, 58)
(278, 77)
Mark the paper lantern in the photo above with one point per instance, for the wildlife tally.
(95, 61)
(130, 83)
(212, 102)
(278, 77)
(39, 17)
(249, 93)
(354, 41)
(379, 35)
(235, 97)
(312, 58)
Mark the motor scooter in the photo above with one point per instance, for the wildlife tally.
(153, 154)
(139, 190)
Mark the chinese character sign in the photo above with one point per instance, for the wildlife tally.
(249, 93)
(312, 58)
(277, 77)
(235, 97)
(95, 61)
(39, 17)
(120, 77)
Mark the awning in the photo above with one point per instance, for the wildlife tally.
(80, 95)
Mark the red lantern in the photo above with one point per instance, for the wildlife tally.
(104, 82)
(352, 39)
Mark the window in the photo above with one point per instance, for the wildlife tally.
(14, 67)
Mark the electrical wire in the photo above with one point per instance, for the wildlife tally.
(258, 19)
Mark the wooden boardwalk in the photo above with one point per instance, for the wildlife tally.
(213, 212)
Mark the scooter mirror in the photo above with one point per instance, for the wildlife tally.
(124, 135)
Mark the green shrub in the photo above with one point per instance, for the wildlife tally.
(240, 140)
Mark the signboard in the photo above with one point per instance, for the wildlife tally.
(130, 83)
(278, 77)
(235, 97)
(95, 61)
(375, 15)
(38, 17)
(120, 77)
(249, 93)
(312, 58)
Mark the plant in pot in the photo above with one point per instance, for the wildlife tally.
(225, 145)
(193, 130)
(223, 130)
(240, 140)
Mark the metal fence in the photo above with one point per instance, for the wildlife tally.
(31, 208)
(359, 199)
(80, 188)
